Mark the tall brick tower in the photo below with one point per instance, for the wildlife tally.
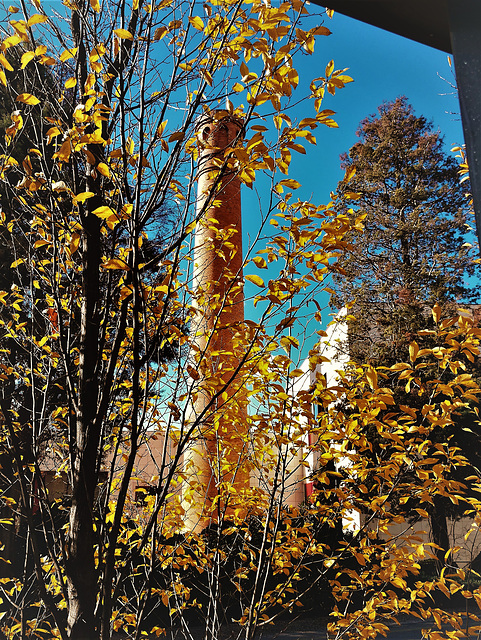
(216, 458)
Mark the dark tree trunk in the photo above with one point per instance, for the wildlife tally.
(439, 532)
(82, 575)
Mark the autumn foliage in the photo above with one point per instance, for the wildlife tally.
(99, 368)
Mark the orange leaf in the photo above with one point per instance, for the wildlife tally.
(115, 263)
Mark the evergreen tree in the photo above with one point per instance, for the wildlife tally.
(409, 250)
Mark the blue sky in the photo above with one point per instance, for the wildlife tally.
(383, 67)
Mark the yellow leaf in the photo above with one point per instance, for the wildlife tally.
(40, 243)
(27, 56)
(255, 280)
(37, 18)
(3, 77)
(11, 41)
(290, 183)
(371, 377)
(115, 263)
(238, 87)
(160, 33)
(297, 147)
(260, 262)
(197, 23)
(104, 212)
(161, 128)
(244, 70)
(20, 26)
(126, 211)
(103, 169)
(125, 292)
(68, 53)
(5, 63)
(84, 195)
(350, 173)
(27, 98)
(436, 311)
(413, 351)
(95, 4)
(289, 341)
(207, 77)
(321, 31)
(53, 132)
(12, 9)
(17, 263)
(123, 34)
(71, 82)
(135, 5)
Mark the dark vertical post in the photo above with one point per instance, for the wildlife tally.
(465, 27)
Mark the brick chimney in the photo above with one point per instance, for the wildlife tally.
(216, 454)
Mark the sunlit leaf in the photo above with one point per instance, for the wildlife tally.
(5, 63)
(27, 98)
(115, 263)
(40, 243)
(413, 351)
(123, 34)
(37, 18)
(290, 183)
(103, 169)
(257, 280)
(197, 23)
(68, 53)
(104, 212)
(26, 57)
(74, 243)
(371, 376)
(260, 262)
(84, 195)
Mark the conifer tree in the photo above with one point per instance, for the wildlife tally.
(409, 249)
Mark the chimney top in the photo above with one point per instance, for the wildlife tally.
(218, 129)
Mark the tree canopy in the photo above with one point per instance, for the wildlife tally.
(410, 247)
(97, 419)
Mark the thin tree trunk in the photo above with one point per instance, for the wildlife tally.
(439, 531)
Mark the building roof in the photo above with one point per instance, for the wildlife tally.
(425, 21)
